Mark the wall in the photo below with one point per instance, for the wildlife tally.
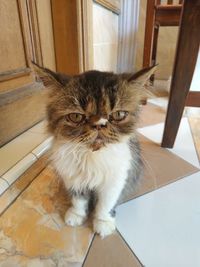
(128, 26)
(166, 45)
(105, 38)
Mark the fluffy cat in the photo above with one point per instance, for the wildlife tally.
(92, 117)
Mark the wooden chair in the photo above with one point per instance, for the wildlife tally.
(158, 15)
(188, 17)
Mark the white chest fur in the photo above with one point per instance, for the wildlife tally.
(81, 168)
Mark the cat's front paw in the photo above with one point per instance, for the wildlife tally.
(104, 227)
(73, 219)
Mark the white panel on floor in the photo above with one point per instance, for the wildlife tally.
(184, 146)
(159, 101)
(163, 227)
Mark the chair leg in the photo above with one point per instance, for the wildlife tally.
(185, 61)
(149, 37)
(155, 44)
(193, 99)
(150, 16)
(154, 50)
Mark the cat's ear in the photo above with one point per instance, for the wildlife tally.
(136, 86)
(141, 77)
(49, 77)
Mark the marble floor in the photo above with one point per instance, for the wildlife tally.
(156, 226)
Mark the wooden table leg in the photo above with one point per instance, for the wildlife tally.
(185, 61)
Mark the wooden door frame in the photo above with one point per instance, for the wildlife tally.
(73, 40)
(78, 38)
(86, 30)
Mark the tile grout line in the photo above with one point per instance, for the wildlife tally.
(35, 155)
(87, 253)
(24, 157)
(21, 191)
(18, 162)
(158, 187)
(142, 265)
(171, 149)
(6, 182)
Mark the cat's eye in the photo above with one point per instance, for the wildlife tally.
(119, 115)
(76, 117)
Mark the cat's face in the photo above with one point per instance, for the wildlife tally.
(94, 108)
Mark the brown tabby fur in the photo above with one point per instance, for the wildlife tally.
(96, 95)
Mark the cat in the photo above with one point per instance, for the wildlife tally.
(93, 117)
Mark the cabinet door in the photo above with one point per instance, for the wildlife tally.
(26, 34)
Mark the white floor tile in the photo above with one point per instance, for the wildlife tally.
(195, 85)
(159, 101)
(3, 185)
(43, 147)
(17, 170)
(192, 111)
(184, 146)
(163, 103)
(163, 227)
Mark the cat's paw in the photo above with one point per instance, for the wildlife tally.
(104, 227)
(73, 219)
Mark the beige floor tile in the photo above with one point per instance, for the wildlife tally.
(195, 128)
(111, 251)
(151, 114)
(19, 147)
(160, 168)
(33, 227)
(162, 164)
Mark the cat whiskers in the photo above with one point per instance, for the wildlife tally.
(152, 173)
(72, 146)
(87, 137)
(114, 134)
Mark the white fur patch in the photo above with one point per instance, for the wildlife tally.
(104, 170)
(104, 228)
(102, 121)
(73, 219)
(82, 168)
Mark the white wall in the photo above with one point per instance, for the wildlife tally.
(105, 38)
(128, 27)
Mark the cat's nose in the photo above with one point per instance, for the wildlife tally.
(101, 123)
(99, 126)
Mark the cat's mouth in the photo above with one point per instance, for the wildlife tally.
(97, 143)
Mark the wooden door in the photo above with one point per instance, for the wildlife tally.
(26, 34)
